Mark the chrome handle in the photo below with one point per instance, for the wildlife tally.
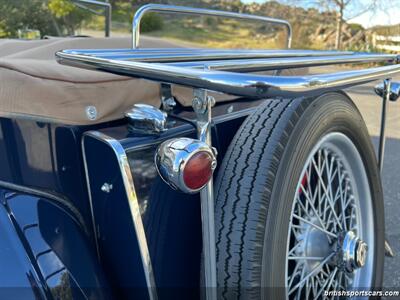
(200, 11)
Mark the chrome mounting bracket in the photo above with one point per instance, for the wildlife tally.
(384, 92)
(389, 91)
(202, 104)
(167, 100)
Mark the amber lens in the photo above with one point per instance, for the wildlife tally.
(198, 170)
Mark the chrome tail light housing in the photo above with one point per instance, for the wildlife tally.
(186, 164)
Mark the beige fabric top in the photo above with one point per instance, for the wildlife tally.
(33, 85)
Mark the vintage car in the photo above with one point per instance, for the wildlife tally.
(183, 173)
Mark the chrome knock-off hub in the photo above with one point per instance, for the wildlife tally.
(353, 252)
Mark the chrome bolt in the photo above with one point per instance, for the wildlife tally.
(169, 103)
(91, 113)
(215, 151)
(353, 252)
(106, 187)
(361, 254)
(197, 104)
(212, 100)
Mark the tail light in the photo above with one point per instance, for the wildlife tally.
(185, 164)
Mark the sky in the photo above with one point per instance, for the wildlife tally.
(388, 13)
(379, 17)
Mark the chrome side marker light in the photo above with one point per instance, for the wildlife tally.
(185, 164)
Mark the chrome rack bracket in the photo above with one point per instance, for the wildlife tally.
(394, 90)
(389, 91)
(382, 137)
(167, 100)
(202, 104)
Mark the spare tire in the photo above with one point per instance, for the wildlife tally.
(299, 204)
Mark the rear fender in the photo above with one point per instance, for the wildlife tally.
(47, 253)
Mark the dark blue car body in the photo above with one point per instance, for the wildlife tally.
(63, 237)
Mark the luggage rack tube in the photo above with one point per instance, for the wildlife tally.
(107, 11)
(200, 11)
(240, 84)
(255, 65)
(190, 54)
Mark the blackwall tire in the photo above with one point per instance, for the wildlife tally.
(257, 194)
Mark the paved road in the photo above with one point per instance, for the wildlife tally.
(152, 42)
(369, 105)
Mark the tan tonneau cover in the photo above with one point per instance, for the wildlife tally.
(33, 85)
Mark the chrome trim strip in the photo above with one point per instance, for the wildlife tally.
(241, 84)
(133, 205)
(201, 11)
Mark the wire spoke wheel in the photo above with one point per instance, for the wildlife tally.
(330, 236)
(299, 203)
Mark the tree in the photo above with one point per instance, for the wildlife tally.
(341, 4)
(358, 7)
(68, 14)
(50, 17)
(230, 5)
(21, 14)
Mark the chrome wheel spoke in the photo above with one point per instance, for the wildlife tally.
(328, 283)
(328, 233)
(313, 272)
(325, 208)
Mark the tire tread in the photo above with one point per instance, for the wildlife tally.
(246, 152)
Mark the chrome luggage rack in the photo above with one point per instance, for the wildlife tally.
(233, 72)
(229, 71)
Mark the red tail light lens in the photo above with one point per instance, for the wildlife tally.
(198, 170)
(185, 164)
